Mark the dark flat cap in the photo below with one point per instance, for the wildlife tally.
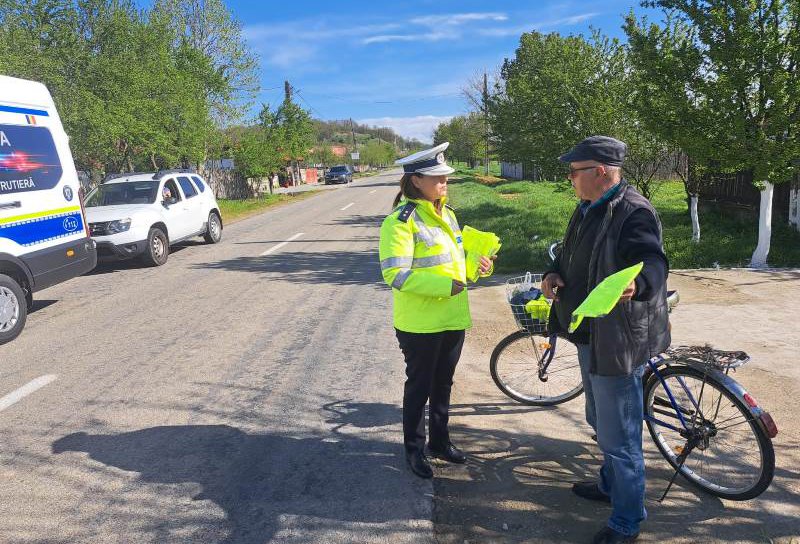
(603, 149)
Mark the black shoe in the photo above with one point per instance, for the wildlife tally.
(419, 464)
(591, 491)
(607, 535)
(451, 454)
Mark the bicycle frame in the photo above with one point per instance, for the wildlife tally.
(760, 416)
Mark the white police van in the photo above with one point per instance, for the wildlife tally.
(43, 234)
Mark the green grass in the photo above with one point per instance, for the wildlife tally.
(236, 210)
(463, 168)
(528, 216)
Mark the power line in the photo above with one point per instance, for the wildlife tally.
(303, 98)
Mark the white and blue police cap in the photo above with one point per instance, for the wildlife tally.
(430, 162)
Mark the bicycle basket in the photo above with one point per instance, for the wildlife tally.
(520, 292)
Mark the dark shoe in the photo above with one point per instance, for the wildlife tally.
(451, 454)
(607, 535)
(591, 491)
(419, 465)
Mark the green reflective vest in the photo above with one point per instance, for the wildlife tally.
(421, 254)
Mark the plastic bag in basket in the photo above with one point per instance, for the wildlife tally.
(521, 300)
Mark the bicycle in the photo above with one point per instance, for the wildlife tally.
(691, 403)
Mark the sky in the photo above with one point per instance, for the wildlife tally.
(400, 64)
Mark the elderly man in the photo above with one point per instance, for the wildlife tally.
(613, 227)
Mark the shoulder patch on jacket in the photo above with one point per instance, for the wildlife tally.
(406, 211)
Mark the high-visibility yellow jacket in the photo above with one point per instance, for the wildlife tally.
(421, 254)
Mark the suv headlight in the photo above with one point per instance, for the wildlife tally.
(120, 225)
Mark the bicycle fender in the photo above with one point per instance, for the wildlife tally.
(761, 416)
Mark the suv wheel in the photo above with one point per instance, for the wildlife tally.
(214, 232)
(13, 309)
(157, 249)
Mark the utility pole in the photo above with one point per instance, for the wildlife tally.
(486, 119)
(353, 132)
(287, 91)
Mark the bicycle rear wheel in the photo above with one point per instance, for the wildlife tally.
(735, 459)
(519, 368)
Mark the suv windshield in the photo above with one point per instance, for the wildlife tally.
(339, 170)
(130, 192)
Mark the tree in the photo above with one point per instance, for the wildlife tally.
(130, 94)
(554, 92)
(229, 71)
(296, 133)
(743, 79)
(377, 153)
(466, 136)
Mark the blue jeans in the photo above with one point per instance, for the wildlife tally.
(617, 414)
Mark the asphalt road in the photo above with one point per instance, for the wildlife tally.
(246, 392)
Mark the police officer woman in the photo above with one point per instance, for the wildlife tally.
(422, 259)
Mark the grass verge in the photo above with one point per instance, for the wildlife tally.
(236, 210)
(528, 216)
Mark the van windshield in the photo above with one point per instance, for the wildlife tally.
(129, 192)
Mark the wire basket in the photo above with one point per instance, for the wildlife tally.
(516, 288)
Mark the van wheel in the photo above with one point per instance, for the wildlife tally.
(157, 249)
(214, 232)
(13, 309)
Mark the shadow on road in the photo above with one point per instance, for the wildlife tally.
(259, 480)
(517, 488)
(329, 267)
(39, 304)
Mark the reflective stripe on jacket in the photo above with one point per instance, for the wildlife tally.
(421, 254)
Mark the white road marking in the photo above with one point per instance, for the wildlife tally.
(30, 387)
(276, 247)
(343, 209)
(372, 191)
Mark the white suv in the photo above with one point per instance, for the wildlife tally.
(142, 214)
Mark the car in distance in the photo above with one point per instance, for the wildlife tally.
(143, 214)
(339, 174)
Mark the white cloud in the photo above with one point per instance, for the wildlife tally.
(454, 19)
(426, 37)
(439, 27)
(287, 55)
(516, 30)
(298, 42)
(420, 127)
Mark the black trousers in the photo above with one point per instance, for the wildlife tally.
(431, 360)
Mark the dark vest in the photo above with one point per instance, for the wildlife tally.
(634, 331)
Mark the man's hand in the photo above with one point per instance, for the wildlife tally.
(629, 292)
(457, 288)
(485, 264)
(549, 285)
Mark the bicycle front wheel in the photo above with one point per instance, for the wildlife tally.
(734, 458)
(520, 368)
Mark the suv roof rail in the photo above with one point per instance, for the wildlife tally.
(162, 173)
(109, 177)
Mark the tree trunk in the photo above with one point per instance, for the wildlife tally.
(695, 218)
(759, 259)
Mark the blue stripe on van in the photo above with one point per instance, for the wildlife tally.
(28, 111)
(44, 229)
